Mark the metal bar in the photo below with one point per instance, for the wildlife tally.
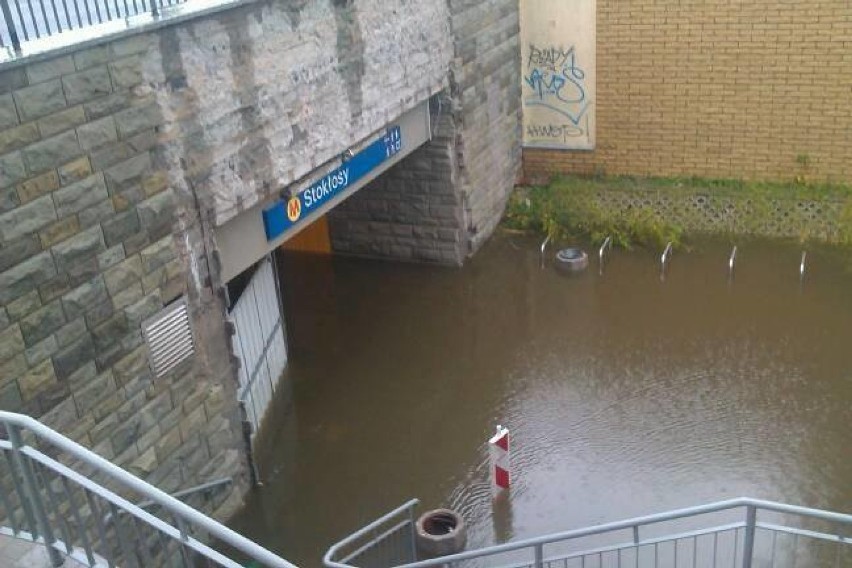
(10, 510)
(664, 258)
(57, 21)
(805, 533)
(715, 547)
(413, 534)
(132, 509)
(694, 551)
(147, 559)
(76, 4)
(378, 538)
(98, 11)
(184, 538)
(46, 19)
(543, 248)
(209, 486)
(732, 260)
(607, 243)
(21, 21)
(538, 552)
(81, 527)
(774, 542)
(802, 265)
(736, 546)
(106, 551)
(29, 516)
(131, 482)
(328, 558)
(748, 536)
(10, 25)
(67, 15)
(123, 542)
(40, 472)
(795, 549)
(32, 494)
(675, 551)
(31, 14)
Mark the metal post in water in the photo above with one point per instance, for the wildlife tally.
(607, 243)
(802, 265)
(543, 248)
(731, 260)
(664, 259)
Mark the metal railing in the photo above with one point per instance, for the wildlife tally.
(387, 541)
(81, 507)
(738, 533)
(28, 20)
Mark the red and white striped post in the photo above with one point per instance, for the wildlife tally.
(498, 448)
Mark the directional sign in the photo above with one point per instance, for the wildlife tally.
(284, 215)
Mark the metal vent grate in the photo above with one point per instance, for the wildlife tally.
(169, 338)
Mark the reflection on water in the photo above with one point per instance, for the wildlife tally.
(625, 395)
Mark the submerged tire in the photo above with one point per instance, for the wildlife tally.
(572, 259)
(440, 532)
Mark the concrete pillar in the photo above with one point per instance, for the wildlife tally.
(442, 203)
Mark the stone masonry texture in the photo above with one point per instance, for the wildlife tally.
(756, 90)
(442, 202)
(117, 160)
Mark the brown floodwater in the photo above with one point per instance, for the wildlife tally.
(625, 394)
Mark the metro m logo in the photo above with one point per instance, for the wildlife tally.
(294, 209)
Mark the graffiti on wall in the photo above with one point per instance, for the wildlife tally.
(558, 73)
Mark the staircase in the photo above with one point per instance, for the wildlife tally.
(78, 505)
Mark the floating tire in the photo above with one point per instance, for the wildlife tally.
(440, 532)
(572, 259)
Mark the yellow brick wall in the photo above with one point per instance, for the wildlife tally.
(718, 88)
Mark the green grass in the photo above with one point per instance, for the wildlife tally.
(570, 206)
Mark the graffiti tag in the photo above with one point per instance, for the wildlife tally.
(555, 80)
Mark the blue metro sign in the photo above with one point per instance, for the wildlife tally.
(284, 215)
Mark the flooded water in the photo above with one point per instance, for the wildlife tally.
(625, 394)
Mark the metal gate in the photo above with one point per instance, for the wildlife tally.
(259, 342)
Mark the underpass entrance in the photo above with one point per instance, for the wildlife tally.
(295, 220)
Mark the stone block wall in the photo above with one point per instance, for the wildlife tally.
(117, 159)
(756, 90)
(89, 249)
(412, 212)
(258, 97)
(441, 203)
(487, 110)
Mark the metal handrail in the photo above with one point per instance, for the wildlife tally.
(536, 544)
(25, 21)
(26, 457)
(328, 557)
